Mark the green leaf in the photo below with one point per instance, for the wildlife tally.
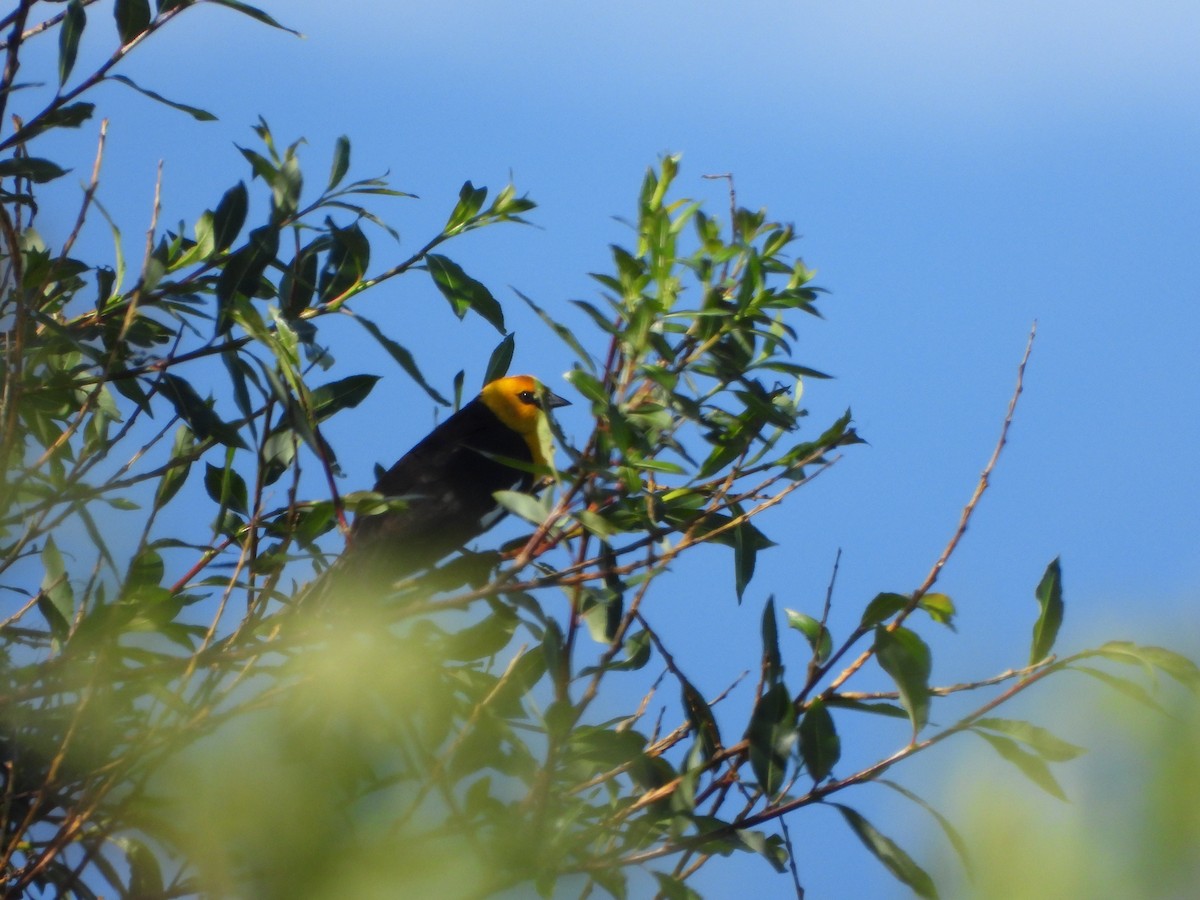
(889, 853)
(146, 571)
(820, 746)
(700, 715)
(464, 292)
(1043, 742)
(772, 663)
(500, 359)
(200, 115)
(74, 21)
(70, 116)
(255, 13)
(56, 599)
(525, 506)
(346, 264)
(133, 17)
(1173, 664)
(226, 487)
(483, 639)
(341, 162)
(815, 633)
(771, 734)
(1123, 686)
(470, 201)
(344, 393)
(562, 331)
(1033, 766)
(401, 356)
(952, 834)
(230, 216)
(904, 656)
(32, 168)
(197, 413)
(882, 608)
(174, 477)
(1049, 598)
(940, 608)
(747, 540)
(879, 709)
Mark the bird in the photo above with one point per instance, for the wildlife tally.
(447, 482)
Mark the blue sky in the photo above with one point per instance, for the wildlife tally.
(958, 170)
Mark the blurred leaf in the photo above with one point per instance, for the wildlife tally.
(56, 599)
(952, 833)
(562, 331)
(74, 21)
(700, 715)
(882, 608)
(940, 608)
(1049, 598)
(815, 633)
(820, 746)
(483, 639)
(889, 853)
(1173, 664)
(200, 115)
(341, 162)
(525, 506)
(463, 291)
(70, 116)
(1033, 766)
(904, 656)
(146, 571)
(175, 476)
(1041, 741)
(771, 734)
(32, 168)
(1123, 686)
(226, 487)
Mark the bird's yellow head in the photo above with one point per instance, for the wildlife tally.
(521, 402)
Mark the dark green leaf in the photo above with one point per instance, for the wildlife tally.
(1049, 598)
(470, 201)
(254, 13)
(70, 116)
(401, 356)
(174, 477)
(820, 746)
(462, 291)
(346, 264)
(815, 633)
(341, 162)
(200, 115)
(226, 487)
(133, 17)
(32, 168)
(197, 413)
(1033, 766)
(880, 709)
(905, 657)
(882, 608)
(889, 853)
(500, 359)
(562, 331)
(145, 573)
(772, 663)
(74, 21)
(746, 542)
(704, 724)
(771, 734)
(483, 639)
(768, 846)
(342, 394)
(56, 599)
(229, 216)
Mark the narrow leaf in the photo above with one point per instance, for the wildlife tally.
(1049, 598)
(200, 115)
(133, 17)
(401, 356)
(1033, 766)
(889, 853)
(1043, 742)
(341, 162)
(500, 359)
(771, 734)
(74, 21)
(464, 292)
(815, 633)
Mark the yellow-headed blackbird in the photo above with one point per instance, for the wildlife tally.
(447, 481)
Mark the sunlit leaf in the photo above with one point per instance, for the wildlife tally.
(1049, 598)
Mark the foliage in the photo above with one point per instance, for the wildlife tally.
(176, 718)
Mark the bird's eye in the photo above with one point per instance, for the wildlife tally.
(527, 397)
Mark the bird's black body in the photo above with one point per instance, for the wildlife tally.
(447, 482)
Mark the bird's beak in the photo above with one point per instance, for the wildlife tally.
(553, 401)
